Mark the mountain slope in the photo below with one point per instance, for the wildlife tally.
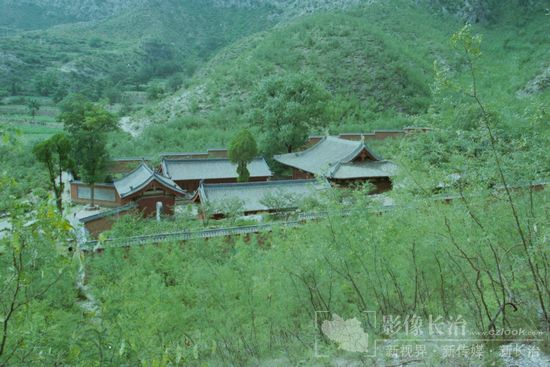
(127, 41)
(375, 60)
(368, 55)
(41, 14)
(172, 35)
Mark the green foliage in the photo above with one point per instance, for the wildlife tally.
(287, 109)
(20, 167)
(88, 125)
(175, 82)
(251, 300)
(46, 84)
(78, 113)
(92, 156)
(274, 283)
(155, 92)
(95, 42)
(141, 43)
(55, 154)
(242, 150)
(37, 297)
(33, 106)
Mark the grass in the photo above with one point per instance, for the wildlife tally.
(31, 133)
(15, 114)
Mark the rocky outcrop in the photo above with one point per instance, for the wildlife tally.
(538, 84)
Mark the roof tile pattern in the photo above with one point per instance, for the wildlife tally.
(254, 196)
(212, 168)
(140, 178)
(364, 169)
(332, 158)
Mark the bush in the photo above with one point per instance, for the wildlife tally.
(175, 82)
(155, 92)
(95, 42)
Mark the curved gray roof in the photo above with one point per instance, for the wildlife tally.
(141, 177)
(364, 169)
(211, 168)
(109, 213)
(321, 158)
(254, 195)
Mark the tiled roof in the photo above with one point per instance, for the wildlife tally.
(211, 168)
(130, 159)
(141, 177)
(322, 158)
(253, 195)
(364, 169)
(109, 213)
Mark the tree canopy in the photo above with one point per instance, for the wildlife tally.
(55, 154)
(242, 150)
(286, 108)
(78, 113)
(88, 124)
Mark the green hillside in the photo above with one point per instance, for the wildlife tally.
(377, 62)
(131, 48)
(366, 58)
(89, 46)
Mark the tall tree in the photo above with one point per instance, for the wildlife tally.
(78, 113)
(33, 106)
(55, 154)
(242, 150)
(93, 157)
(88, 125)
(287, 108)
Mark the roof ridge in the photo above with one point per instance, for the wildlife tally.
(168, 181)
(324, 138)
(207, 159)
(354, 153)
(152, 175)
(134, 171)
(362, 146)
(257, 183)
(334, 169)
(195, 152)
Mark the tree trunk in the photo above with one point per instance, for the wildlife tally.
(59, 192)
(92, 194)
(59, 199)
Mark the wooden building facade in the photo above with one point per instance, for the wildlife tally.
(141, 186)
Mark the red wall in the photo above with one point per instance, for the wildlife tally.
(148, 205)
(97, 227)
(301, 175)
